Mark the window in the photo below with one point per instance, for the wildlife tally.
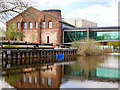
(50, 24)
(35, 80)
(42, 81)
(30, 25)
(13, 25)
(24, 79)
(24, 25)
(49, 81)
(36, 25)
(43, 24)
(18, 25)
(29, 79)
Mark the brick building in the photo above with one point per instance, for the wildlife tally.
(39, 26)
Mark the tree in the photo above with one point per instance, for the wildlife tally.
(114, 44)
(11, 34)
(9, 7)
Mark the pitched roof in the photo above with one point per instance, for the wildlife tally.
(45, 14)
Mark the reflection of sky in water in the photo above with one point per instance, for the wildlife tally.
(95, 67)
(111, 62)
(88, 84)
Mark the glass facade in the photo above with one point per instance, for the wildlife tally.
(50, 24)
(70, 36)
(104, 35)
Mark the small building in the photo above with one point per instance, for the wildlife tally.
(39, 26)
(78, 22)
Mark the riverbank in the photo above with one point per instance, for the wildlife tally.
(113, 53)
(88, 84)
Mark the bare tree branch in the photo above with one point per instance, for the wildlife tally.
(10, 7)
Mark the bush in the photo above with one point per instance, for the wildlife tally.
(89, 47)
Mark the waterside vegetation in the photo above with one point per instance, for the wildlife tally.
(89, 48)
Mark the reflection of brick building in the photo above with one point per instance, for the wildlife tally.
(50, 78)
(39, 26)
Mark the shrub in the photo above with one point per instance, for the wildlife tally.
(89, 47)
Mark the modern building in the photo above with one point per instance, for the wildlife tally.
(77, 22)
(99, 34)
(119, 13)
(47, 26)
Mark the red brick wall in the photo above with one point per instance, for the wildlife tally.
(54, 33)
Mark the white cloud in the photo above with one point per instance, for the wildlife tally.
(103, 15)
(60, 2)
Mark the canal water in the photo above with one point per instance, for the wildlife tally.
(81, 72)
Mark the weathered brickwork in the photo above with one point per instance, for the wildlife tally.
(39, 35)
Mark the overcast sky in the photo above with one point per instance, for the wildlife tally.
(103, 12)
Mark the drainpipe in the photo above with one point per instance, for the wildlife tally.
(39, 30)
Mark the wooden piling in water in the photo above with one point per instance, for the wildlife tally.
(19, 57)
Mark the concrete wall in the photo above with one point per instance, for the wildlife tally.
(81, 22)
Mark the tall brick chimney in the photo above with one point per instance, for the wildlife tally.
(53, 12)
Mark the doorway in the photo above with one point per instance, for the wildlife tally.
(47, 39)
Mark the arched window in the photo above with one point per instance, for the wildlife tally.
(18, 25)
(42, 81)
(36, 24)
(24, 79)
(43, 24)
(50, 24)
(30, 25)
(35, 80)
(13, 25)
(49, 81)
(24, 25)
(29, 79)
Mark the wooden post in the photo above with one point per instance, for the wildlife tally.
(11, 58)
(16, 58)
(20, 58)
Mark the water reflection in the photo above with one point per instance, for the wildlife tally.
(94, 67)
(52, 75)
(38, 77)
